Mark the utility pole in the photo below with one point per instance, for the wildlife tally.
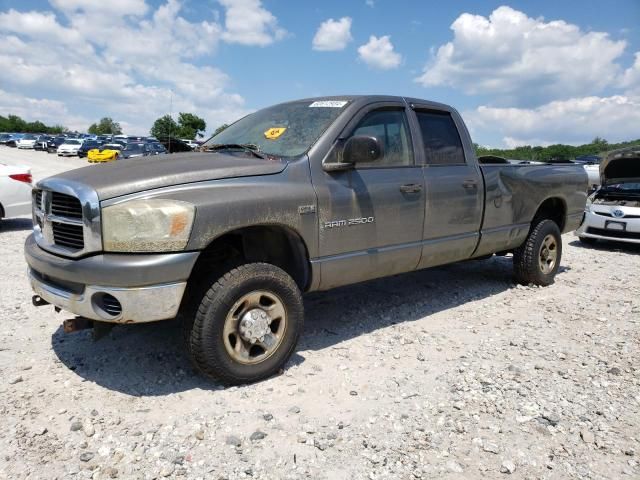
(170, 115)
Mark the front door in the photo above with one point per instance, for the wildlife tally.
(371, 217)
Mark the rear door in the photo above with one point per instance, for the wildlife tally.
(371, 217)
(454, 190)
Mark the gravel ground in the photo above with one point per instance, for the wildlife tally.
(452, 372)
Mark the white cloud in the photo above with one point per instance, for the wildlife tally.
(119, 7)
(379, 53)
(630, 79)
(522, 59)
(370, 3)
(247, 22)
(333, 35)
(127, 64)
(573, 121)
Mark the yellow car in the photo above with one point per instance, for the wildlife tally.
(106, 153)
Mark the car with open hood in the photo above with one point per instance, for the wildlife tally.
(613, 211)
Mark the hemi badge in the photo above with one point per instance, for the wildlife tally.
(306, 209)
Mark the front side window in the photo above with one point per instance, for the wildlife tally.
(442, 144)
(391, 129)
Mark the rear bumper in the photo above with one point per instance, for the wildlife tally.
(116, 288)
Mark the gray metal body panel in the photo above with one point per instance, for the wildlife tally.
(444, 221)
(112, 269)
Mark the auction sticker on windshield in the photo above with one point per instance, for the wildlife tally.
(329, 103)
(274, 133)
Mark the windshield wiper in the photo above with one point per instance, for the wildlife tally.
(247, 147)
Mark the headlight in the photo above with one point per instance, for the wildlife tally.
(153, 225)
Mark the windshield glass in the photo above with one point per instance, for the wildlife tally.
(29, 137)
(133, 147)
(72, 142)
(285, 130)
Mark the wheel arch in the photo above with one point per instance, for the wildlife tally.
(552, 208)
(277, 244)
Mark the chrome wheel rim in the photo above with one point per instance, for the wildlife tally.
(254, 327)
(548, 254)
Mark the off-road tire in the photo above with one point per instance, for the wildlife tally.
(526, 265)
(205, 333)
(588, 240)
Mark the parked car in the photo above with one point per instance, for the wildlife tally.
(69, 148)
(86, 146)
(54, 143)
(27, 142)
(173, 145)
(298, 197)
(13, 141)
(136, 149)
(105, 153)
(15, 191)
(4, 138)
(41, 143)
(157, 148)
(591, 164)
(613, 211)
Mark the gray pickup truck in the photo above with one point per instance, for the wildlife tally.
(303, 196)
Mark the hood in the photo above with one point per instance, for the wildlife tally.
(123, 177)
(621, 166)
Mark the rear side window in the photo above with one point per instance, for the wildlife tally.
(441, 140)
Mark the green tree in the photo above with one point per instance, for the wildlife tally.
(106, 126)
(190, 126)
(164, 127)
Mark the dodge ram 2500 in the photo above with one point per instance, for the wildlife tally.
(303, 196)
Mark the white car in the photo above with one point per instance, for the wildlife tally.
(613, 211)
(69, 148)
(15, 190)
(28, 141)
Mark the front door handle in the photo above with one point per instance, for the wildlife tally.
(411, 188)
(470, 184)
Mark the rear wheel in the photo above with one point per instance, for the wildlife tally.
(537, 260)
(247, 325)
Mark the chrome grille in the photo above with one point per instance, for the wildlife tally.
(66, 217)
(65, 205)
(68, 235)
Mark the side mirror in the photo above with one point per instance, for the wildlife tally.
(361, 149)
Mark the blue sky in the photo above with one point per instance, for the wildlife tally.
(521, 72)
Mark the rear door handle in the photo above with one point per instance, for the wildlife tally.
(411, 188)
(470, 184)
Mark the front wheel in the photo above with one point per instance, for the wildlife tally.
(247, 325)
(537, 260)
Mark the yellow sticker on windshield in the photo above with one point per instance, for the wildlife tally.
(274, 133)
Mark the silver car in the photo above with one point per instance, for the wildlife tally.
(613, 211)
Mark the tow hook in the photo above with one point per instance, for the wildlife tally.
(38, 301)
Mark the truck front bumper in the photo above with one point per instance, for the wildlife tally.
(117, 288)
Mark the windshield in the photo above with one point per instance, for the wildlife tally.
(284, 130)
(29, 137)
(72, 142)
(133, 147)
